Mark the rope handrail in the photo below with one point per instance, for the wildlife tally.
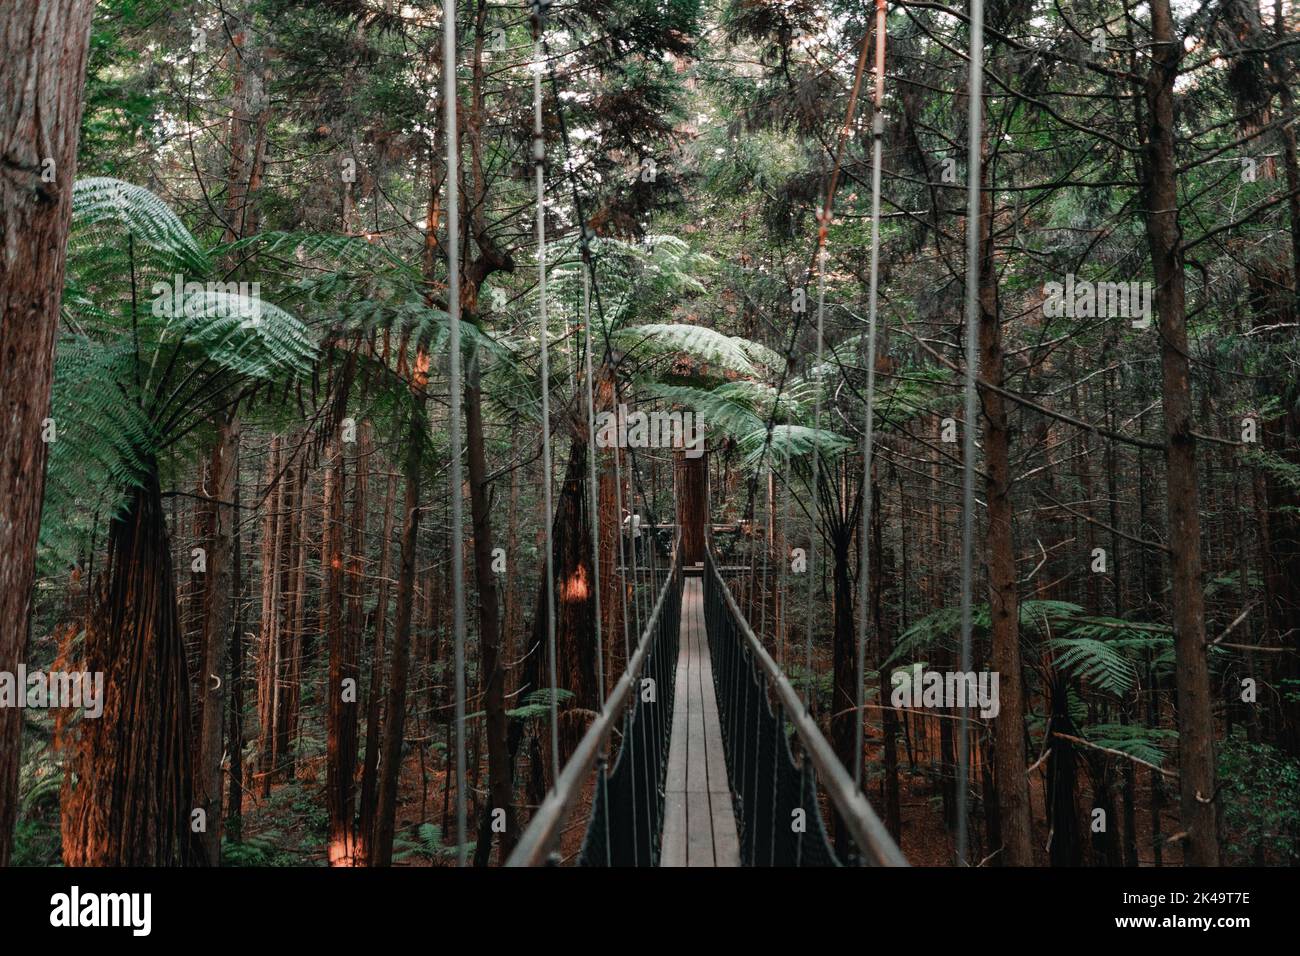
(866, 829)
(543, 830)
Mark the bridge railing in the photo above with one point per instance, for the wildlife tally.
(627, 803)
(776, 798)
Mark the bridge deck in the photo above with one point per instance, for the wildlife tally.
(699, 825)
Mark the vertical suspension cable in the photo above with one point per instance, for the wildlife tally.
(864, 552)
(622, 552)
(824, 216)
(634, 524)
(783, 585)
(453, 345)
(768, 527)
(823, 229)
(602, 776)
(824, 221)
(539, 176)
(973, 176)
(591, 478)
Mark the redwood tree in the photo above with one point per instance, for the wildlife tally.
(44, 47)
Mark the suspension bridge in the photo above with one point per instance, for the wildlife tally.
(718, 761)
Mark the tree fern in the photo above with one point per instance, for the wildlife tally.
(941, 628)
(724, 353)
(100, 201)
(793, 442)
(733, 408)
(151, 351)
(1100, 664)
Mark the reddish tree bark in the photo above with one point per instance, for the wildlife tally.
(692, 485)
(218, 617)
(1164, 237)
(43, 48)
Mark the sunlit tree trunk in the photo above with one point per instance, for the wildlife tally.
(128, 798)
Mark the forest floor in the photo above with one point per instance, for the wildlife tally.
(288, 828)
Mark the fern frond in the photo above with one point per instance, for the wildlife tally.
(100, 200)
(707, 346)
(1099, 663)
(792, 441)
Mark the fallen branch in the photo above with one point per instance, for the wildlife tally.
(1118, 753)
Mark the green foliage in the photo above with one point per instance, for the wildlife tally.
(1260, 795)
(941, 628)
(816, 684)
(427, 844)
(260, 850)
(153, 350)
(312, 813)
(538, 703)
(1102, 664)
(1145, 743)
(795, 442)
(107, 209)
(37, 842)
(737, 409)
(716, 350)
(1102, 652)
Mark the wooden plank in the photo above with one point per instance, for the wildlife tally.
(699, 824)
(715, 758)
(697, 775)
(699, 830)
(722, 818)
(676, 778)
(673, 838)
(726, 839)
(673, 850)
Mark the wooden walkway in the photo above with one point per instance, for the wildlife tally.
(699, 825)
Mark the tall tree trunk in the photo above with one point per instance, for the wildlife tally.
(611, 525)
(1009, 730)
(1062, 774)
(885, 631)
(692, 504)
(575, 604)
(268, 638)
(293, 640)
(1160, 188)
(390, 766)
(492, 676)
(1282, 434)
(513, 606)
(356, 595)
(234, 825)
(248, 117)
(491, 672)
(216, 636)
(390, 758)
(844, 712)
(378, 660)
(341, 689)
(128, 796)
(43, 50)
(575, 641)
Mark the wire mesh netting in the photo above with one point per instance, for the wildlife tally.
(775, 797)
(628, 805)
